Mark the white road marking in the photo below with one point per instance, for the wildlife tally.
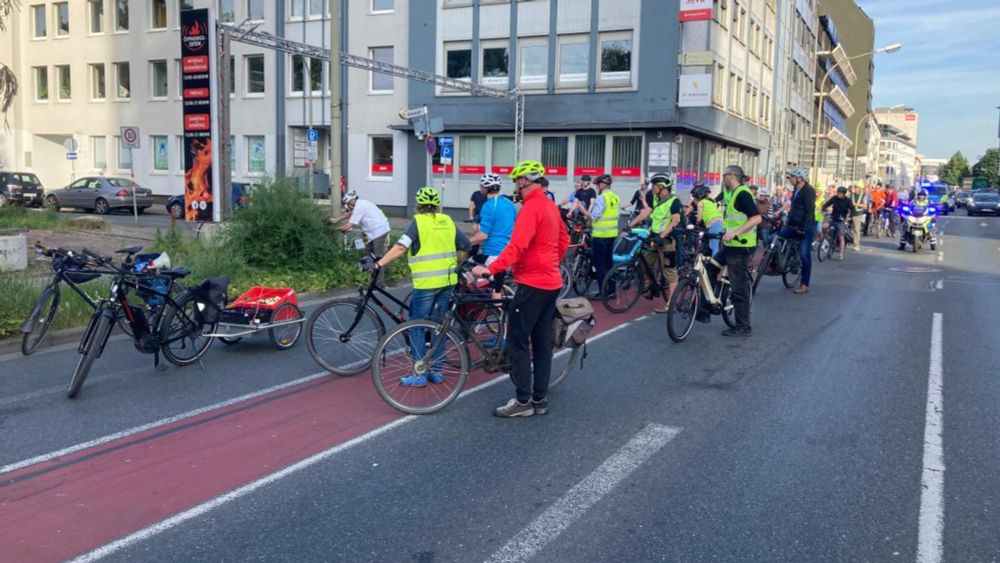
(585, 494)
(983, 224)
(931, 529)
(940, 257)
(218, 501)
(940, 284)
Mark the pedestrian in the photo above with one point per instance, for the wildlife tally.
(496, 221)
(582, 198)
(859, 200)
(536, 247)
(801, 224)
(605, 214)
(365, 214)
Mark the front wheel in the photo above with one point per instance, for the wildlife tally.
(183, 332)
(627, 282)
(567, 280)
(414, 380)
(582, 275)
(40, 320)
(792, 274)
(101, 207)
(52, 203)
(93, 342)
(285, 336)
(821, 249)
(342, 335)
(682, 309)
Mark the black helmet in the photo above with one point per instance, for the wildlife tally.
(603, 179)
(700, 191)
(842, 190)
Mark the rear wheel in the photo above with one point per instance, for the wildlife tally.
(567, 280)
(183, 332)
(581, 274)
(765, 263)
(41, 318)
(627, 282)
(682, 310)
(176, 210)
(94, 340)
(342, 335)
(793, 275)
(284, 337)
(52, 203)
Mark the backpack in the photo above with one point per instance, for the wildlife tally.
(572, 323)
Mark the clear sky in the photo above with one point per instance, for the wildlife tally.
(948, 69)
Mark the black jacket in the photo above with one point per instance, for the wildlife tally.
(802, 215)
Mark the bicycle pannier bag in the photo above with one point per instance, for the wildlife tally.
(574, 319)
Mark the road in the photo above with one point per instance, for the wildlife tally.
(859, 423)
(155, 217)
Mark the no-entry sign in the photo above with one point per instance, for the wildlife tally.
(130, 137)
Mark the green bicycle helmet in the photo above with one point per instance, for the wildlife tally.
(660, 178)
(530, 169)
(428, 196)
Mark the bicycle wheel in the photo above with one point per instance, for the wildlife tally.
(793, 273)
(567, 280)
(183, 339)
(728, 312)
(821, 249)
(93, 341)
(574, 355)
(40, 318)
(342, 335)
(286, 336)
(627, 281)
(831, 243)
(581, 275)
(682, 310)
(397, 359)
(765, 263)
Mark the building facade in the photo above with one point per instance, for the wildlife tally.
(897, 163)
(902, 117)
(835, 75)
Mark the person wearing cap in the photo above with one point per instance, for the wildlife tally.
(581, 199)
(365, 214)
(536, 248)
(605, 215)
(859, 200)
(801, 223)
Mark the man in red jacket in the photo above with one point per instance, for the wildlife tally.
(536, 247)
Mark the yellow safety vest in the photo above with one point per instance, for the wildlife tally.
(433, 266)
(661, 215)
(709, 211)
(733, 220)
(606, 226)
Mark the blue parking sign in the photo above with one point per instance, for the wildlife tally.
(312, 135)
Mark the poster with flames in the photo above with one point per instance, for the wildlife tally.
(198, 59)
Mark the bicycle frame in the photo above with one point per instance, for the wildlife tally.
(453, 322)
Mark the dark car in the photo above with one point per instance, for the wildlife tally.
(100, 195)
(21, 188)
(962, 198)
(982, 203)
(175, 204)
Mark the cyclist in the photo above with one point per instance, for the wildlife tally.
(367, 215)
(875, 209)
(605, 214)
(433, 243)
(801, 215)
(641, 199)
(476, 201)
(842, 210)
(665, 216)
(707, 214)
(765, 203)
(496, 221)
(582, 199)
(536, 247)
(859, 199)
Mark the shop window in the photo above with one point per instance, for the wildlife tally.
(503, 155)
(626, 156)
(589, 155)
(555, 155)
(381, 156)
(161, 154)
(472, 155)
(256, 154)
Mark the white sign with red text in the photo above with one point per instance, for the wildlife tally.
(696, 10)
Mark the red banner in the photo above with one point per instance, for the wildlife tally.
(194, 65)
(556, 171)
(196, 93)
(695, 10)
(472, 170)
(629, 172)
(197, 122)
(504, 170)
(580, 171)
(442, 169)
(381, 169)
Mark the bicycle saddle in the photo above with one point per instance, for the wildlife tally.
(132, 250)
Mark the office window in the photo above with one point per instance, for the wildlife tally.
(739, 23)
(496, 61)
(62, 18)
(534, 65)
(232, 76)
(381, 82)
(158, 76)
(298, 68)
(503, 155)
(555, 155)
(719, 85)
(574, 61)
(123, 81)
(124, 155)
(255, 74)
(459, 63)
(381, 156)
(41, 30)
(99, 146)
(97, 85)
(178, 79)
(232, 155)
(158, 14)
(255, 11)
(184, 5)
(96, 16)
(383, 5)
(616, 59)
(315, 75)
(256, 155)
(720, 13)
(161, 153)
(626, 155)
(181, 165)
(227, 11)
(121, 15)
(297, 8)
(41, 83)
(472, 155)
(65, 80)
(732, 91)
(589, 152)
(317, 8)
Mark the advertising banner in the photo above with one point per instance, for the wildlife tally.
(695, 10)
(695, 90)
(198, 59)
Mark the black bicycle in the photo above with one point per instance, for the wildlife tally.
(782, 258)
(635, 278)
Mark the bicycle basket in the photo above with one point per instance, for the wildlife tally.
(153, 289)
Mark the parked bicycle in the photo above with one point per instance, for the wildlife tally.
(634, 277)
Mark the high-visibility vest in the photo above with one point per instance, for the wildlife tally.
(709, 211)
(661, 215)
(606, 226)
(433, 266)
(734, 219)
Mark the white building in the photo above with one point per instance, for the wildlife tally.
(898, 163)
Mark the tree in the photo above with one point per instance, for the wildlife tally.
(955, 169)
(987, 167)
(8, 81)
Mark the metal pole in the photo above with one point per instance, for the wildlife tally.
(336, 164)
(135, 206)
(222, 160)
(998, 150)
(857, 130)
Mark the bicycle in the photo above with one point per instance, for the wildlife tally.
(634, 278)
(579, 260)
(887, 223)
(440, 349)
(782, 258)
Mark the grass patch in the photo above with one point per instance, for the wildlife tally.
(21, 291)
(16, 217)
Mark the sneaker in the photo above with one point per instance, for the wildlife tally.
(541, 407)
(661, 310)
(413, 381)
(514, 409)
(743, 332)
(436, 378)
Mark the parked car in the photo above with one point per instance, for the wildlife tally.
(101, 195)
(962, 198)
(175, 204)
(983, 202)
(20, 188)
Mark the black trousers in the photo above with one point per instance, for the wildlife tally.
(530, 321)
(737, 262)
(603, 257)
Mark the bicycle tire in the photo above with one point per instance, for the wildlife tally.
(94, 341)
(728, 309)
(788, 277)
(765, 263)
(187, 331)
(582, 275)
(629, 286)
(574, 354)
(393, 360)
(285, 337)
(40, 325)
(567, 281)
(366, 340)
(686, 295)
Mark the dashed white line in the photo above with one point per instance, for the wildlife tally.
(940, 284)
(940, 256)
(930, 545)
(585, 494)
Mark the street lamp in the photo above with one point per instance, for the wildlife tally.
(857, 130)
(822, 93)
(998, 148)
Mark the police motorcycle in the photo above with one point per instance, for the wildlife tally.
(918, 226)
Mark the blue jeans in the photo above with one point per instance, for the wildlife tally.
(715, 229)
(428, 304)
(805, 249)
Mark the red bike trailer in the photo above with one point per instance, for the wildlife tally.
(272, 309)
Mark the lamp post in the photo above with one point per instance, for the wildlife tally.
(857, 131)
(822, 94)
(998, 149)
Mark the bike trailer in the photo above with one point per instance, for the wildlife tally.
(629, 244)
(572, 323)
(257, 305)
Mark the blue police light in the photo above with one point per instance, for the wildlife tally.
(931, 210)
(906, 208)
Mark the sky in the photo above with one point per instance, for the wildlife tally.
(948, 70)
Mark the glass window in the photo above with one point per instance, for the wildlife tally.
(534, 65)
(616, 60)
(161, 154)
(62, 18)
(472, 152)
(626, 155)
(383, 5)
(555, 154)
(719, 85)
(41, 83)
(121, 15)
(181, 165)
(256, 155)
(495, 63)
(38, 16)
(381, 156)
(99, 146)
(227, 11)
(317, 8)
(298, 74)
(98, 91)
(232, 155)
(184, 5)
(158, 74)
(158, 14)
(459, 64)
(65, 82)
(590, 152)
(574, 61)
(232, 76)
(381, 82)
(297, 8)
(503, 155)
(255, 11)
(315, 75)
(255, 74)
(123, 81)
(124, 155)
(96, 16)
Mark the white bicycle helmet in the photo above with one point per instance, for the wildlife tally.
(349, 197)
(764, 191)
(491, 182)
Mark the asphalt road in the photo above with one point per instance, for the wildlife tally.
(827, 436)
(155, 217)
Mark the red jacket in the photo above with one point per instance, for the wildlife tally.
(536, 246)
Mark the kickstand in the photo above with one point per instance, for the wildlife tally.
(156, 362)
(201, 364)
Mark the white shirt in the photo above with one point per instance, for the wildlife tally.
(370, 218)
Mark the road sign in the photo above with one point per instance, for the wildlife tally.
(130, 137)
(430, 144)
(447, 149)
(70, 144)
(71, 155)
(412, 113)
(312, 136)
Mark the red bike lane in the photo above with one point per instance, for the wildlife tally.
(57, 509)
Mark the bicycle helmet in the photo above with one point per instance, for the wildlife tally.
(661, 179)
(530, 169)
(700, 191)
(490, 181)
(349, 197)
(603, 179)
(428, 196)
(764, 191)
(798, 172)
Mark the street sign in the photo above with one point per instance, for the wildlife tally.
(312, 136)
(437, 125)
(412, 113)
(70, 144)
(130, 137)
(447, 149)
(430, 144)
(71, 155)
